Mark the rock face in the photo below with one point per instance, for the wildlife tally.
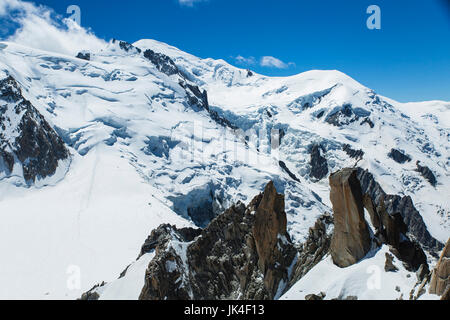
(404, 206)
(440, 282)
(315, 297)
(244, 253)
(347, 114)
(427, 174)
(26, 138)
(319, 165)
(353, 153)
(127, 47)
(164, 276)
(84, 55)
(399, 156)
(391, 226)
(162, 62)
(389, 265)
(351, 239)
(289, 172)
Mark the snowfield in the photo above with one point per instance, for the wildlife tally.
(366, 280)
(141, 156)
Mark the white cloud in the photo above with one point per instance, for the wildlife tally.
(272, 62)
(245, 61)
(41, 28)
(189, 3)
(7, 5)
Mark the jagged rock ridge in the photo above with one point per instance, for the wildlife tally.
(403, 205)
(243, 253)
(246, 252)
(319, 164)
(352, 238)
(26, 138)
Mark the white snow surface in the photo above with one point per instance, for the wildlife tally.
(141, 156)
(366, 280)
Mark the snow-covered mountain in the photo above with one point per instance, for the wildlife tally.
(144, 134)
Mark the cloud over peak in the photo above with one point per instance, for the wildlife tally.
(272, 62)
(245, 61)
(265, 61)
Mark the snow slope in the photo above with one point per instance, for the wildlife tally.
(142, 156)
(366, 280)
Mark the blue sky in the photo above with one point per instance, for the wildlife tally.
(407, 60)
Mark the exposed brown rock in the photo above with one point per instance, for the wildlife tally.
(268, 230)
(92, 295)
(315, 297)
(351, 239)
(440, 282)
(446, 295)
(244, 253)
(389, 265)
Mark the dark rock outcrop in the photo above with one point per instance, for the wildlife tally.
(35, 146)
(389, 265)
(346, 115)
(391, 230)
(427, 174)
(196, 97)
(288, 171)
(166, 269)
(352, 153)
(351, 238)
(369, 122)
(127, 47)
(315, 297)
(440, 279)
(403, 205)
(165, 233)
(84, 55)
(244, 253)
(318, 163)
(162, 62)
(398, 156)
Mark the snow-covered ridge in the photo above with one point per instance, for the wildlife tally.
(30, 150)
(145, 155)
